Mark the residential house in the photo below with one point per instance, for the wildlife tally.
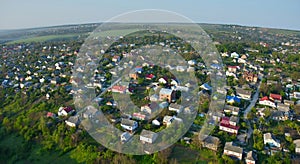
(150, 108)
(233, 151)
(233, 120)
(73, 121)
(288, 102)
(211, 142)
(228, 126)
(125, 137)
(166, 94)
(280, 116)
(270, 139)
(275, 97)
(116, 58)
(234, 55)
(162, 80)
(175, 107)
(133, 76)
(148, 136)
(138, 69)
(244, 94)
(296, 95)
(233, 69)
(297, 148)
(119, 89)
(129, 125)
(167, 120)
(150, 76)
(283, 107)
(154, 97)
(250, 76)
(65, 111)
(265, 101)
(251, 158)
(232, 99)
(205, 86)
(139, 116)
(232, 110)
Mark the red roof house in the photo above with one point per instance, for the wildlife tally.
(275, 97)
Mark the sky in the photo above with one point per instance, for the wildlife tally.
(17, 14)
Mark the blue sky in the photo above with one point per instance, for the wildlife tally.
(15, 14)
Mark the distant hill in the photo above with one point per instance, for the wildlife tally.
(218, 32)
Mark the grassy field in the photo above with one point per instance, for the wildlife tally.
(44, 38)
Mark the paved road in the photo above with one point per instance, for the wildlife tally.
(248, 109)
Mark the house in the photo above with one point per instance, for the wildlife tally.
(233, 151)
(232, 110)
(175, 107)
(50, 115)
(166, 94)
(116, 58)
(65, 111)
(297, 148)
(251, 158)
(174, 82)
(205, 86)
(133, 76)
(139, 116)
(275, 97)
(162, 80)
(296, 95)
(148, 136)
(211, 143)
(138, 69)
(234, 55)
(149, 76)
(232, 99)
(150, 108)
(269, 139)
(129, 125)
(233, 69)
(250, 76)
(233, 120)
(244, 56)
(228, 126)
(216, 116)
(288, 102)
(73, 121)
(244, 94)
(265, 101)
(240, 60)
(280, 116)
(125, 137)
(167, 120)
(283, 107)
(118, 89)
(154, 97)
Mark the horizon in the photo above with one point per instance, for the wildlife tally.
(277, 14)
(90, 23)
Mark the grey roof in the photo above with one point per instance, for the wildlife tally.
(242, 91)
(166, 91)
(175, 106)
(127, 122)
(230, 147)
(149, 134)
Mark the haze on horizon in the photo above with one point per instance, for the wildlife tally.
(20, 14)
